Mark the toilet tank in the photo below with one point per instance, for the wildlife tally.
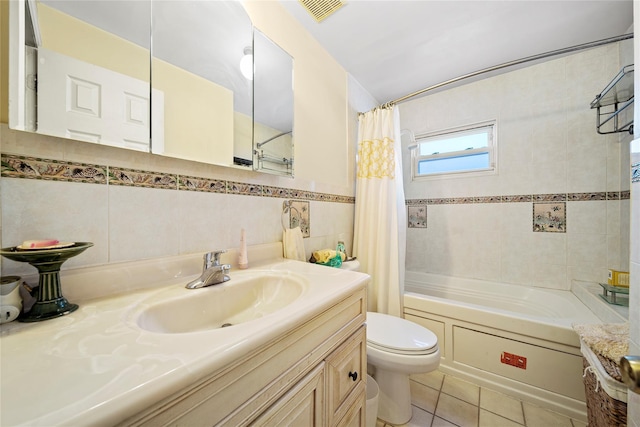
(351, 265)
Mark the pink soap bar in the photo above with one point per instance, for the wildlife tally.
(31, 244)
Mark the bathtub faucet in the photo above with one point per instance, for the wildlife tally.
(213, 272)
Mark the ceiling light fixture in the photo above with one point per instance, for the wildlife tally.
(246, 63)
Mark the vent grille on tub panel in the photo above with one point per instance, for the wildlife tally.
(321, 9)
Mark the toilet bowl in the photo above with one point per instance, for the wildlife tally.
(397, 348)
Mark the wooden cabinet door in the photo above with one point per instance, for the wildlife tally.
(302, 406)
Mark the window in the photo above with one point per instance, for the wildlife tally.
(466, 150)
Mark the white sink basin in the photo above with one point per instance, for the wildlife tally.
(248, 296)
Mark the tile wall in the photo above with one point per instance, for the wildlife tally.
(137, 206)
(548, 151)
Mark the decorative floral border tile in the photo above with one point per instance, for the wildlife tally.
(299, 216)
(244, 188)
(345, 199)
(53, 170)
(583, 197)
(140, 178)
(419, 202)
(301, 194)
(417, 216)
(550, 197)
(550, 217)
(192, 183)
(276, 192)
(46, 169)
(517, 198)
(36, 168)
(520, 198)
(488, 199)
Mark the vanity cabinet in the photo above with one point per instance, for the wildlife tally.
(311, 375)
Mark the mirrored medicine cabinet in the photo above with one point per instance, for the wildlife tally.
(186, 79)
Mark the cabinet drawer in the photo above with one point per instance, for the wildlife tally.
(345, 369)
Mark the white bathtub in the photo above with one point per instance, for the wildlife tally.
(513, 339)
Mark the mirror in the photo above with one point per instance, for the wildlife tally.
(74, 75)
(273, 107)
(83, 70)
(196, 54)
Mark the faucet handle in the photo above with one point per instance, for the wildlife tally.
(213, 258)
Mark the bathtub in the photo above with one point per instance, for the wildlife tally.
(512, 339)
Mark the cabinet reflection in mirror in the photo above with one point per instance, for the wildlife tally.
(84, 70)
(78, 70)
(273, 107)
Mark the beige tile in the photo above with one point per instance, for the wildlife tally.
(419, 418)
(463, 390)
(43, 209)
(489, 419)
(431, 379)
(501, 404)
(586, 248)
(439, 422)
(588, 216)
(423, 397)
(143, 223)
(535, 416)
(456, 411)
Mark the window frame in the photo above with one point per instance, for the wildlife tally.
(491, 149)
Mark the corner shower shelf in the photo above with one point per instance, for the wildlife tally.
(610, 294)
(615, 104)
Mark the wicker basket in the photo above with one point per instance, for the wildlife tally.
(603, 410)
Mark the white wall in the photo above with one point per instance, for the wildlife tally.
(548, 145)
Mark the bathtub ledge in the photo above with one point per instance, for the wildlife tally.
(589, 294)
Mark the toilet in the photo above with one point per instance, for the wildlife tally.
(397, 348)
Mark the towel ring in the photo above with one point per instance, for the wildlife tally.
(286, 208)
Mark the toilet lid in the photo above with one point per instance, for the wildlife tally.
(396, 335)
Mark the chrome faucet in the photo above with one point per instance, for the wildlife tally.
(213, 272)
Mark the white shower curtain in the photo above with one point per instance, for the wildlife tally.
(380, 219)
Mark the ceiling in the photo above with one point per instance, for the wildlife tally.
(394, 48)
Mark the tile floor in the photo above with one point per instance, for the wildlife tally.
(440, 400)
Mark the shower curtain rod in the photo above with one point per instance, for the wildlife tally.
(512, 63)
(260, 144)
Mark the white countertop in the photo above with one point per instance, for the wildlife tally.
(95, 366)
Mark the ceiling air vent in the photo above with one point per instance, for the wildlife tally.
(321, 9)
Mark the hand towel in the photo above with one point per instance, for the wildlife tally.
(293, 244)
(324, 255)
